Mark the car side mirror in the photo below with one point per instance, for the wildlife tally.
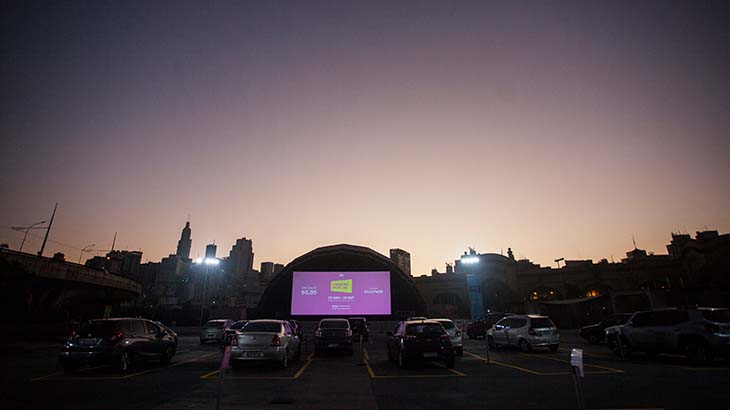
(389, 333)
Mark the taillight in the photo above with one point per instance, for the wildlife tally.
(117, 335)
(458, 333)
(276, 341)
(445, 336)
(234, 341)
(318, 333)
(532, 332)
(409, 337)
(73, 334)
(348, 333)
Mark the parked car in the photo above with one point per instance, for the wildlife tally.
(214, 329)
(333, 334)
(119, 342)
(525, 332)
(416, 318)
(478, 328)
(297, 328)
(699, 333)
(596, 333)
(230, 332)
(418, 340)
(359, 326)
(455, 334)
(265, 340)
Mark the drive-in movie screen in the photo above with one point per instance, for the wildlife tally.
(340, 293)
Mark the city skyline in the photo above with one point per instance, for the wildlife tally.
(559, 130)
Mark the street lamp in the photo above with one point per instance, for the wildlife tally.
(26, 229)
(207, 262)
(83, 251)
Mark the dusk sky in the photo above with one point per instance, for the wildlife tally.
(559, 129)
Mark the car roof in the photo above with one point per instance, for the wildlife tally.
(443, 320)
(425, 321)
(333, 319)
(265, 321)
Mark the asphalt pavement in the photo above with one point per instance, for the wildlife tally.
(367, 380)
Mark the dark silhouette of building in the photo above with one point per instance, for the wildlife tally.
(267, 269)
(278, 267)
(402, 259)
(185, 242)
(240, 260)
(125, 263)
(210, 251)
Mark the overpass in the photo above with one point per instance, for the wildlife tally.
(40, 290)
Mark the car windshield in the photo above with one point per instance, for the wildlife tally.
(97, 328)
(424, 329)
(541, 322)
(270, 327)
(215, 324)
(447, 324)
(357, 322)
(719, 315)
(333, 324)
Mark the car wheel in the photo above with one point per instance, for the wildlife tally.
(125, 361)
(524, 345)
(593, 339)
(697, 353)
(459, 351)
(70, 368)
(490, 342)
(449, 362)
(401, 360)
(553, 348)
(623, 350)
(167, 356)
(285, 361)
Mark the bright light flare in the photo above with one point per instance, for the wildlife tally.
(208, 261)
(470, 260)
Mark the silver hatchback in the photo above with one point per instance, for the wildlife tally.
(214, 330)
(525, 332)
(266, 340)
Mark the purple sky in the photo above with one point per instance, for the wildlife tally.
(556, 128)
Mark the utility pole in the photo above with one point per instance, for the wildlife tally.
(114, 241)
(40, 252)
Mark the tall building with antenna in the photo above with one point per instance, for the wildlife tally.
(185, 242)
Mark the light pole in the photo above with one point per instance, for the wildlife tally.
(207, 262)
(83, 251)
(27, 229)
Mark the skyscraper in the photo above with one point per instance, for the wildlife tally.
(402, 259)
(184, 244)
(210, 251)
(240, 260)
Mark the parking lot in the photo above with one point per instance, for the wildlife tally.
(367, 380)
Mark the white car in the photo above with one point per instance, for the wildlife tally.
(261, 340)
(455, 335)
(525, 332)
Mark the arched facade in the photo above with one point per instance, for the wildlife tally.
(405, 297)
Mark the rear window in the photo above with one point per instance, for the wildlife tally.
(721, 316)
(334, 324)
(424, 329)
(447, 324)
(271, 327)
(238, 325)
(542, 322)
(215, 324)
(97, 329)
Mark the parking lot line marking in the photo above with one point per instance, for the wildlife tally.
(456, 372)
(603, 356)
(207, 375)
(503, 364)
(367, 364)
(567, 361)
(35, 379)
(300, 371)
(416, 376)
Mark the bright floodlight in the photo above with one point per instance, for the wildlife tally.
(470, 260)
(199, 260)
(211, 261)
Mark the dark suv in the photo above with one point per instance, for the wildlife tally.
(596, 333)
(420, 339)
(359, 326)
(699, 333)
(478, 328)
(333, 334)
(118, 342)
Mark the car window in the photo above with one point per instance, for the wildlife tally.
(720, 315)
(238, 325)
(502, 323)
(334, 324)
(215, 323)
(541, 322)
(270, 327)
(447, 324)
(398, 329)
(424, 329)
(670, 317)
(152, 329)
(97, 328)
(518, 323)
(642, 319)
(287, 329)
(136, 327)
